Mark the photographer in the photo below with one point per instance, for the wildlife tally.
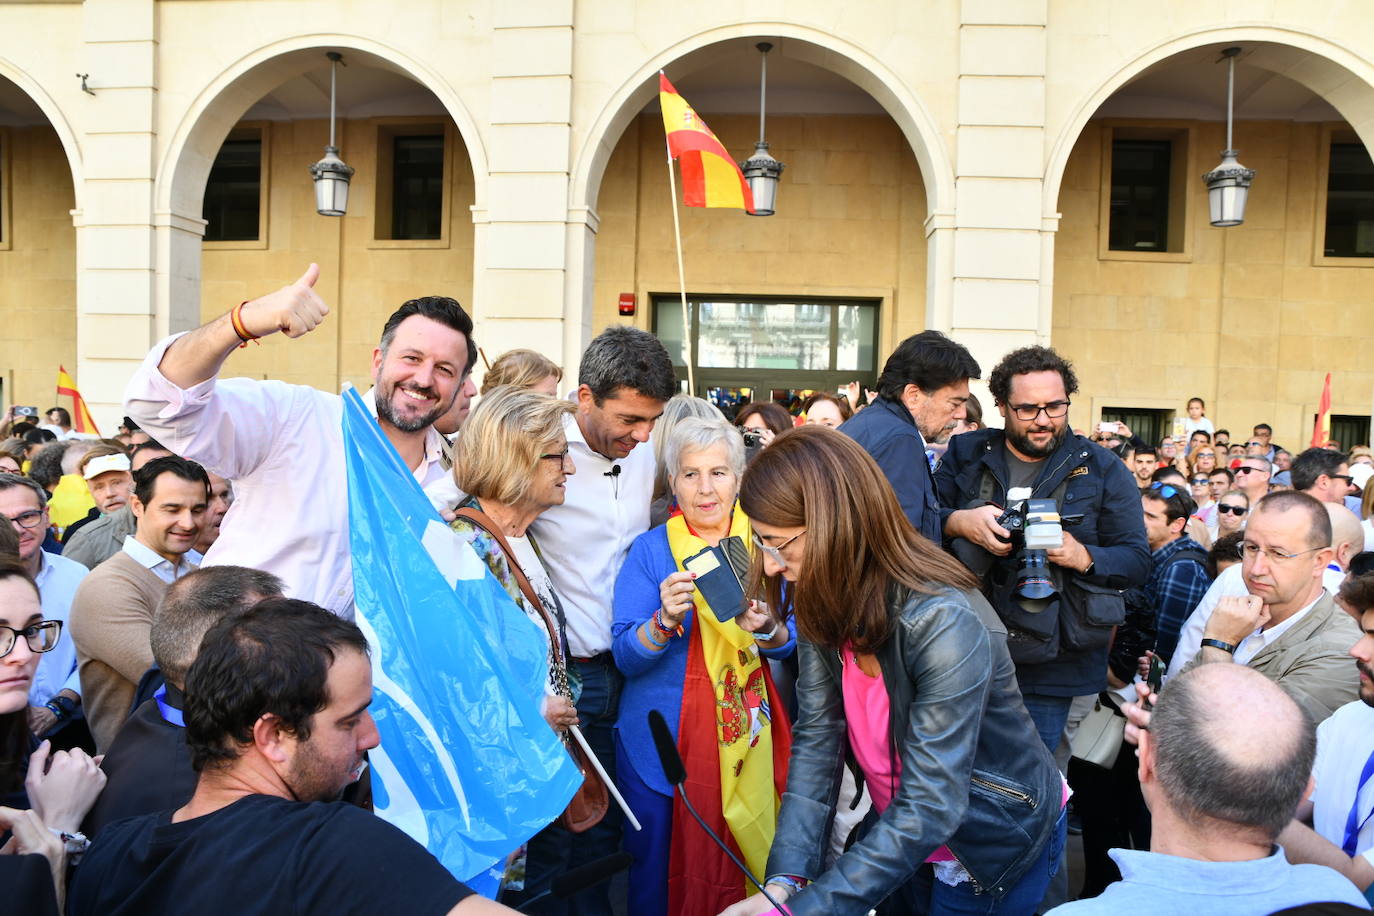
(1060, 604)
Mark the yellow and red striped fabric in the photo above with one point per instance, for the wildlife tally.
(81, 417)
(710, 178)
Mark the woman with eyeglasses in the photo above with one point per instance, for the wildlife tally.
(904, 668)
(1231, 511)
(702, 665)
(1199, 485)
(512, 460)
(43, 796)
(1203, 460)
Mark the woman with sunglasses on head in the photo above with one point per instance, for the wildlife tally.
(43, 797)
(905, 670)
(703, 667)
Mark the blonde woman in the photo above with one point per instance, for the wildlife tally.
(523, 369)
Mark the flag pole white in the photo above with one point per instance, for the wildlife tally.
(600, 771)
(681, 274)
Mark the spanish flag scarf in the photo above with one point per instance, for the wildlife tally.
(735, 741)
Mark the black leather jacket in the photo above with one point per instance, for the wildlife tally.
(975, 776)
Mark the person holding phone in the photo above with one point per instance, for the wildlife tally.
(904, 666)
(703, 667)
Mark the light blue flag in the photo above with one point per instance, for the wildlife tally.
(467, 765)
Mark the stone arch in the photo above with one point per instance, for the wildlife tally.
(185, 163)
(1340, 77)
(801, 43)
(70, 145)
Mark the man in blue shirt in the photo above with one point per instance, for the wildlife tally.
(921, 397)
(1226, 759)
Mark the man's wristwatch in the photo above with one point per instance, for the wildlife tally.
(75, 844)
(62, 707)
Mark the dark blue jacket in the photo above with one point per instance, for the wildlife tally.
(887, 431)
(1100, 489)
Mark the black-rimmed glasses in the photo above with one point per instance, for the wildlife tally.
(1054, 410)
(41, 637)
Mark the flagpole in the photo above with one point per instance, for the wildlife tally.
(681, 275)
(601, 771)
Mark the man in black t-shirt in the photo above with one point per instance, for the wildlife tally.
(277, 725)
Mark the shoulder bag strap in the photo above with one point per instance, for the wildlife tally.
(481, 520)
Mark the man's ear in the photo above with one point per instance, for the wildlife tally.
(585, 399)
(135, 506)
(377, 358)
(271, 739)
(1145, 753)
(912, 395)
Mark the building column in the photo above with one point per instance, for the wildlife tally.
(114, 230)
(1000, 261)
(522, 245)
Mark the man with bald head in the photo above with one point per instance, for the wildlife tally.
(1225, 761)
(1287, 627)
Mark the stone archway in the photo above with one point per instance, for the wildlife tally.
(186, 161)
(820, 50)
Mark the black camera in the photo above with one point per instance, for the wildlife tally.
(1034, 526)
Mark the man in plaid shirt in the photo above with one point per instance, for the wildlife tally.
(1178, 574)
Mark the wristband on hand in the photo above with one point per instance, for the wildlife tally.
(1218, 644)
(765, 637)
(236, 319)
(663, 627)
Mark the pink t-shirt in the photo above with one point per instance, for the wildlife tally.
(868, 712)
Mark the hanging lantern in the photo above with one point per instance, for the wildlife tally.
(1228, 185)
(330, 173)
(761, 170)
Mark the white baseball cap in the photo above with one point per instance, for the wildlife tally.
(106, 463)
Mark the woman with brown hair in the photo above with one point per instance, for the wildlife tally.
(904, 669)
(762, 420)
(826, 409)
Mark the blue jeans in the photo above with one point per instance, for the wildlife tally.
(935, 898)
(554, 850)
(1050, 715)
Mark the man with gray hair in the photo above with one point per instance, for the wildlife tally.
(148, 767)
(1252, 477)
(625, 379)
(1225, 760)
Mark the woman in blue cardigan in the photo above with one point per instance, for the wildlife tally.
(710, 681)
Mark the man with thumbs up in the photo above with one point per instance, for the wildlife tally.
(282, 445)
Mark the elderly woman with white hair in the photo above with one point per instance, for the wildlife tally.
(703, 669)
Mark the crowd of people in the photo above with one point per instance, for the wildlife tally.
(900, 651)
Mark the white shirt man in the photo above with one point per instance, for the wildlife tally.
(282, 444)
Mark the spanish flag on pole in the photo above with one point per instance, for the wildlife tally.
(1321, 430)
(81, 417)
(710, 178)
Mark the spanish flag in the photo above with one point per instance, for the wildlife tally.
(81, 417)
(710, 178)
(1321, 430)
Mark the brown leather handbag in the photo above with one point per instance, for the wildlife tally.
(592, 800)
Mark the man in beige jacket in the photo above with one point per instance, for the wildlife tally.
(1287, 628)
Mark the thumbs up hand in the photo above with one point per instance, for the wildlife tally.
(293, 310)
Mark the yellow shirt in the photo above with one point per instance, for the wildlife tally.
(70, 501)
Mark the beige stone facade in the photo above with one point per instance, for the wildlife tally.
(947, 160)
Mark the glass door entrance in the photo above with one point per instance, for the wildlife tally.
(773, 349)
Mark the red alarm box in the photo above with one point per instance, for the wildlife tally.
(627, 304)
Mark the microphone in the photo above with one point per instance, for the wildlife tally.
(613, 472)
(676, 773)
(580, 878)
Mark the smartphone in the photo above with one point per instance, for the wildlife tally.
(26, 411)
(1106, 429)
(1155, 679)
